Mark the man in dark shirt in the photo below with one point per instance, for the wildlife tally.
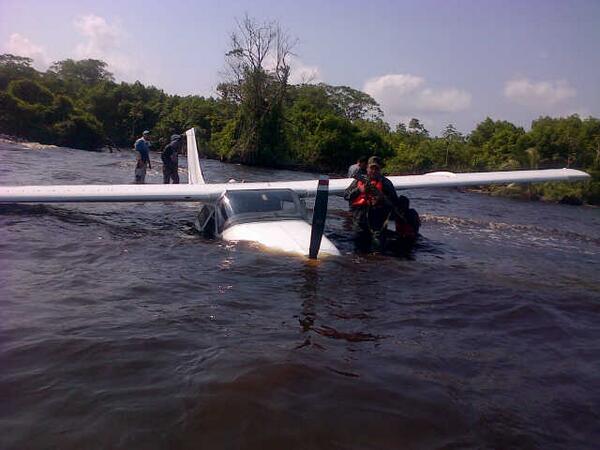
(170, 159)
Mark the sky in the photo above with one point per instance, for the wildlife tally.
(442, 61)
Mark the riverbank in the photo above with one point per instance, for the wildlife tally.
(576, 194)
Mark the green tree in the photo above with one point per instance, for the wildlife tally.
(416, 127)
(258, 73)
(86, 71)
(14, 67)
(450, 133)
(498, 144)
(352, 104)
(30, 92)
(79, 131)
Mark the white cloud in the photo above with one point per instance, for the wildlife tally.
(102, 38)
(406, 95)
(393, 85)
(443, 100)
(103, 41)
(303, 73)
(21, 46)
(299, 72)
(538, 94)
(581, 112)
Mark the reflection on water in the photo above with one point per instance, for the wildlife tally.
(120, 327)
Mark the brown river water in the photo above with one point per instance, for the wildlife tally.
(122, 328)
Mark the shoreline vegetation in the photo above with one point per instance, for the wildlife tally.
(259, 118)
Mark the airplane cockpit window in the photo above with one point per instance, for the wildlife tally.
(245, 205)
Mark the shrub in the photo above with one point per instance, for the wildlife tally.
(30, 92)
(79, 131)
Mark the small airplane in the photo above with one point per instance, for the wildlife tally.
(271, 214)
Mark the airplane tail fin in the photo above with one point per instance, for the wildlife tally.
(194, 170)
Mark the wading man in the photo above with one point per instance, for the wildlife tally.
(170, 159)
(371, 199)
(360, 168)
(142, 146)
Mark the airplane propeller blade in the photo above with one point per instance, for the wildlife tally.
(319, 216)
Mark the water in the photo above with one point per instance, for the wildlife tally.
(122, 328)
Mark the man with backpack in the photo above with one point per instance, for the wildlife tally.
(372, 199)
(170, 159)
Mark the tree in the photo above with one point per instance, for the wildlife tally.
(401, 128)
(15, 67)
(416, 127)
(451, 133)
(79, 131)
(499, 144)
(533, 157)
(30, 92)
(257, 79)
(452, 137)
(352, 104)
(15, 62)
(10, 120)
(86, 71)
(483, 132)
(62, 108)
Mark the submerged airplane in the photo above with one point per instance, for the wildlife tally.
(271, 214)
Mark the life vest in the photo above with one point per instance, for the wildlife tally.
(364, 198)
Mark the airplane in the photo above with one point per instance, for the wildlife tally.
(271, 214)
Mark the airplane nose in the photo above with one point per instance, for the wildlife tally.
(291, 236)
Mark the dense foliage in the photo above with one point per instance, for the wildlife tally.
(260, 119)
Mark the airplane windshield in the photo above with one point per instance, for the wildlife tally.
(246, 205)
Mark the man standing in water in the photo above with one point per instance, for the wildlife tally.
(360, 168)
(142, 146)
(170, 160)
(370, 201)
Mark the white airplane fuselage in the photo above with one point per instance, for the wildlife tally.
(289, 236)
(275, 219)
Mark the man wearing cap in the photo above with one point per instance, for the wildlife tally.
(142, 146)
(170, 159)
(371, 199)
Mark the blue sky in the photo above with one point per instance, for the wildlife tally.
(441, 61)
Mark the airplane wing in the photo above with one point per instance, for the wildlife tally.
(197, 190)
(211, 192)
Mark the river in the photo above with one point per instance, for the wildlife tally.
(122, 328)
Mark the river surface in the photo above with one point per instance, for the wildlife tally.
(122, 328)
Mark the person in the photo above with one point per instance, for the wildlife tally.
(372, 200)
(360, 168)
(142, 146)
(110, 145)
(170, 159)
(407, 221)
